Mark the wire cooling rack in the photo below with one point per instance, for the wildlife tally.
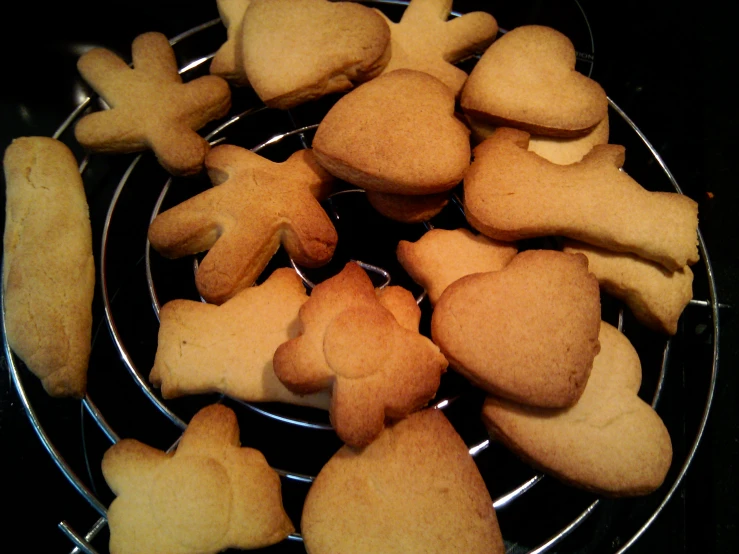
(537, 514)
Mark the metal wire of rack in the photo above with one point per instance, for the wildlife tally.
(308, 421)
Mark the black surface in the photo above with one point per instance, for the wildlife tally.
(666, 64)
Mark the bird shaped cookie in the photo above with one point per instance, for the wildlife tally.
(371, 356)
(150, 105)
(425, 41)
(208, 496)
(256, 206)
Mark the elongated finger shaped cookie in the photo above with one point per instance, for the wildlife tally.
(229, 348)
(255, 206)
(300, 50)
(528, 332)
(527, 79)
(425, 41)
(209, 495)
(48, 266)
(610, 442)
(376, 366)
(512, 194)
(415, 490)
(150, 105)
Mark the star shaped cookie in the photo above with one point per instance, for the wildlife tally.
(256, 206)
(228, 61)
(425, 41)
(205, 348)
(150, 105)
(208, 496)
(376, 364)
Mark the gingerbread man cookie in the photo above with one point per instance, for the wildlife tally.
(256, 206)
(150, 105)
(425, 41)
(208, 496)
(376, 366)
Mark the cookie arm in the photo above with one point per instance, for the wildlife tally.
(308, 234)
(106, 73)
(110, 131)
(179, 149)
(470, 33)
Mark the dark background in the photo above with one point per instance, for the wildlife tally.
(667, 64)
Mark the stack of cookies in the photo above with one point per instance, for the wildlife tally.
(523, 326)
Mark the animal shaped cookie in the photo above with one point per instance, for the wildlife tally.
(425, 41)
(229, 348)
(611, 442)
(512, 194)
(396, 134)
(48, 267)
(527, 79)
(375, 362)
(656, 297)
(150, 105)
(528, 332)
(255, 206)
(441, 257)
(414, 490)
(558, 150)
(209, 495)
(300, 50)
(228, 61)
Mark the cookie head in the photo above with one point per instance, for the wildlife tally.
(208, 496)
(527, 79)
(396, 134)
(528, 332)
(365, 347)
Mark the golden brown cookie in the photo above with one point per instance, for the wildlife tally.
(150, 105)
(414, 490)
(425, 41)
(611, 442)
(376, 367)
(558, 150)
(228, 62)
(396, 134)
(48, 268)
(300, 50)
(528, 332)
(441, 257)
(255, 206)
(512, 194)
(209, 495)
(408, 209)
(229, 348)
(656, 296)
(527, 79)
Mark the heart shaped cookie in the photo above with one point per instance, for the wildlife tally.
(528, 332)
(527, 79)
(299, 50)
(415, 490)
(396, 134)
(610, 442)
